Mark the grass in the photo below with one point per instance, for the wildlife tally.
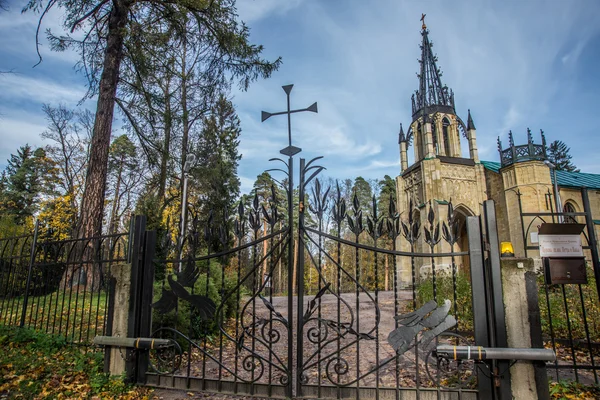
(35, 365)
(79, 316)
(575, 307)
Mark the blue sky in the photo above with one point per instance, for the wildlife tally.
(515, 64)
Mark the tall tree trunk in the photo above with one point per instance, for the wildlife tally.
(264, 253)
(164, 161)
(112, 227)
(387, 272)
(92, 204)
(185, 118)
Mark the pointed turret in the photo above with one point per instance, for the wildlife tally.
(401, 135)
(403, 146)
(472, 138)
(470, 124)
(432, 94)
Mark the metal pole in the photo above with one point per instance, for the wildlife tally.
(300, 282)
(31, 261)
(557, 196)
(183, 219)
(290, 263)
(593, 242)
(191, 159)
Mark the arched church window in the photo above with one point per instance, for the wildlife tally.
(445, 125)
(569, 208)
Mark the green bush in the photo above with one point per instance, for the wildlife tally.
(445, 290)
(185, 319)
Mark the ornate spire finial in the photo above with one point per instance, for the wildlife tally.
(529, 137)
(431, 92)
(499, 146)
(511, 142)
(470, 124)
(423, 20)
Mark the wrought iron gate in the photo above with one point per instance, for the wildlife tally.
(308, 293)
(243, 319)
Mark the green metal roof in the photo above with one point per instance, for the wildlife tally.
(565, 179)
(491, 165)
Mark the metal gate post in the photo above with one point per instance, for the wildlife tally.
(29, 271)
(592, 237)
(494, 278)
(290, 265)
(300, 278)
(144, 328)
(479, 301)
(136, 239)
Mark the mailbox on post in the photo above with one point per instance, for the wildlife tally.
(562, 253)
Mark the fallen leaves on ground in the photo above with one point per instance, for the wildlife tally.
(39, 366)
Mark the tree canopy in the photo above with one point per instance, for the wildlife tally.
(104, 31)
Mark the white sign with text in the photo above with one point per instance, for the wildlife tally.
(560, 246)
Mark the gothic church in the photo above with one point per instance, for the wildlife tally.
(520, 183)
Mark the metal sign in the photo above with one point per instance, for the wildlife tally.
(560, 246)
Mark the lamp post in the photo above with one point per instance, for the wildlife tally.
(556, 194)
(189, 162)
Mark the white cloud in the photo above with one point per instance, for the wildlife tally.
(19, 87)
(18, 130)
(254, 10)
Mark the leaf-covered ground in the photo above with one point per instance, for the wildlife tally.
(39, 366)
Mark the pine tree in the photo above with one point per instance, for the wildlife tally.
(558, 154)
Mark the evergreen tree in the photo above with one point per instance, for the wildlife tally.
(123, 167)
(558, 154)
(215, 177)
(29, 175)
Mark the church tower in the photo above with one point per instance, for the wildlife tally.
(439, 172)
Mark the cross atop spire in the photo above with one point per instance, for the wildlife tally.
(432, 94)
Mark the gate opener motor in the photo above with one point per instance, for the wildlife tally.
(478, 353)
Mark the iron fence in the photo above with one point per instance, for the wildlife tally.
(570, 313)
(61, 287)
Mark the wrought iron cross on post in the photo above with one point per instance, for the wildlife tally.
(290, 150)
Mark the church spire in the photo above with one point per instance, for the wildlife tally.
(432, 94)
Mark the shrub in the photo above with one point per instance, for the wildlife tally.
(185, 319)
(445, 289)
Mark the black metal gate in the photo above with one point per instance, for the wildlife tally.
(307, 293)
(302, 298)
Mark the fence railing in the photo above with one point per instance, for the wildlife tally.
(60, 287)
